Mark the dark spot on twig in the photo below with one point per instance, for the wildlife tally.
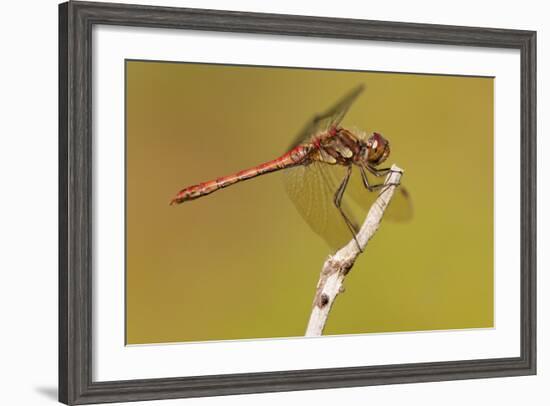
(323, 301)
(346, 266)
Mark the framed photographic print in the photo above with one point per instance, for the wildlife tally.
(225, 175)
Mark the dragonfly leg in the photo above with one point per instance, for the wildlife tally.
(377, 186)
(366, 183)
(338, 203)
(380, 171)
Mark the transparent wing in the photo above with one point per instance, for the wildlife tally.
(330, 118)
(312, 188)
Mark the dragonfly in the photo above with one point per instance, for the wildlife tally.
(318, 169)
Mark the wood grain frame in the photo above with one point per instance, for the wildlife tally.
(76, 20)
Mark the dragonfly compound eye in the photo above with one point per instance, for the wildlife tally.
(378, 149)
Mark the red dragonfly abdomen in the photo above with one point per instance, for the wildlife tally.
(294, 157)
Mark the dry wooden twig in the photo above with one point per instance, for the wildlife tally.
(337, 266)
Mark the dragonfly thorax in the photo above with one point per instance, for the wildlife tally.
(343, 147)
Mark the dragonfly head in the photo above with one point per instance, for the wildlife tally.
(377, 149)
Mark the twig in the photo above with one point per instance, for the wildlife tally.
(337, 266)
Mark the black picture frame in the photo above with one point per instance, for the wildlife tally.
(76, 20)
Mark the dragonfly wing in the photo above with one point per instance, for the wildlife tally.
(312, 188)
(330, 118)
(400, 208)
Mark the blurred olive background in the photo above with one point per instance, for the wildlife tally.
(242, 263)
